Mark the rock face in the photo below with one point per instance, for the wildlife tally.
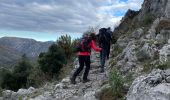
(143, 44)
(156, 7)
(66, 91)
(12, 48)
(154, 86)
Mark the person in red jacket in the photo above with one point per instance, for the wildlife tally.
(84, 59)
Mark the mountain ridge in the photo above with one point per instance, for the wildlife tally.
(12, 48)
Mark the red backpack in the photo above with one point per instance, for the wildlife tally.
(83, 45)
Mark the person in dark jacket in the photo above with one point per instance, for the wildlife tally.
(104, 42)
(84, 59)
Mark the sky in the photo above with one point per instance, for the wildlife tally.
(46, 20)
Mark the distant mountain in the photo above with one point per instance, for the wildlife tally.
(11, 49)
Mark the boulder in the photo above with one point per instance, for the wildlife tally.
(150, 87)
(164, 53)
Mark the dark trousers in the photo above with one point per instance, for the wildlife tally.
(83, 60)
(104, 54)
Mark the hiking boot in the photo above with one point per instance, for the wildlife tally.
(86, 80)
(72, 80)
(99, 66)
(102, 70)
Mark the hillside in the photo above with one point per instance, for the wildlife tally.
(141, 56)
(11, 49)
(8, 56)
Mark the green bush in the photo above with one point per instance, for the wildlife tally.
(164, 66)
(142, 55)
(148, 19)
(1, 90)
(117, 83)
(116, 50)
(148, 66)
(18, 77)
(52, 61)
(65, 43)
(40, 79)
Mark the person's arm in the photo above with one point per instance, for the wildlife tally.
(94, 46)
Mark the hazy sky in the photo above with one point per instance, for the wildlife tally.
(46, 20)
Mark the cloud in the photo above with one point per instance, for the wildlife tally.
(55, 16)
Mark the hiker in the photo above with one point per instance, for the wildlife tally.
(104, 37)
(84, 56)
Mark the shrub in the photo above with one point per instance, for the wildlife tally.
(52, 61)
(116, 81)
(116, 50)
(142, 55)
(18, 77)
(1, 90)
(148, 66)
(65, 43)
(148, 19)
(164, 66)
(40, 79)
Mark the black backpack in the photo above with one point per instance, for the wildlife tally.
(104, 36)
(83, 45)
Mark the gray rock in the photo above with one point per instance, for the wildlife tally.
(168, 79)
(164, 53)
(25, 91)
(137, 33)
(167, 72)
(167, 10)
(150, 87)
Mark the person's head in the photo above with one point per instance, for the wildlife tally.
(92, 36)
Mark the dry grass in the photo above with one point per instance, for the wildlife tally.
(163, 24)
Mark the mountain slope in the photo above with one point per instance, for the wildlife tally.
(8, 56)
(143, 45)
(11, 48)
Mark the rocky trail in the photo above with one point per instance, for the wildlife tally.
(64, 90)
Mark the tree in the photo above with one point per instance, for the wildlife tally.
(18, 77)
(65, 43)
(52, 61)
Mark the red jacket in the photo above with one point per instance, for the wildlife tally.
(92, 45)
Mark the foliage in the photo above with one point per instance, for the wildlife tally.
(52, 61)
(164, 66)
(142, 55)
(65, 43)
(116, 50)
(75, 44)
(147, 67)
(112, 62)
(18, 77)
(1, 90)
(148, 19)
(116, 81)
(40, 79)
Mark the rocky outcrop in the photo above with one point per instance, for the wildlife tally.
(154, 86)
(143, 46)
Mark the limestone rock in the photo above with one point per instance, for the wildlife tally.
(150, 87)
